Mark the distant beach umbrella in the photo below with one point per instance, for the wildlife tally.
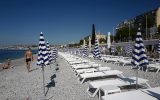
(54, 54)
(113, 49)
(103, 49)
(128, 48)
(85, 50)
(109, 40)
(139, 58)
(84, 43)
(97, 54)
(158, 48)
(89, 44)
(50, 57)
(42, 56)
(74, 51)
(80, 51)
(77, 52)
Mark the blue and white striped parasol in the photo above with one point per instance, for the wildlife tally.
(89, 43)
(85, 50)
(42, 52)
(80, 51)
(42, 56)
(54, 54)
(158, 48)
(97, 54)
(139, 58)
(77, 52)
(50, 57)
(128, 48)
(113, 49)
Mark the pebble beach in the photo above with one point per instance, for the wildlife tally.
(17, 83)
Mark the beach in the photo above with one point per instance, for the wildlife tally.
(17, 84)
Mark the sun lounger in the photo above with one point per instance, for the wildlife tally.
(124, 61)
(81, 67)
(78, 62)
(91, 70)
(85, 76)
(87, 65)
(109, 89)
(80, 71)
(117, 82)
(153, 94)
(154, 65)
(112, 58)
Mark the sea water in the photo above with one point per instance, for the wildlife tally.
(12, 54)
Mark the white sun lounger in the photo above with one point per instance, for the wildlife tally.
(112, 58)
(85, 66)
(124, 61)
(154, 65)
(91, 70)
(116, 82)
(81, 66)
(85, 76)
(80, 71)
(78, 62)
(153, 94)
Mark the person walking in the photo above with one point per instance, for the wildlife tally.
(28, 58)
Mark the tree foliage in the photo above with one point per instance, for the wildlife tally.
(73, 45)
(123, 34)
(81, 42)
(102, 40)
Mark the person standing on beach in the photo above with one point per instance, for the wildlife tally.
(28, 58)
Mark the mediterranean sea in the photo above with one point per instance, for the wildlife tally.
(12, 54)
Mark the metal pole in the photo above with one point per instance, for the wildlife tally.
(129, 31)
(137, 79)
(43, 81)
(113, 34)
(120, 38)
(146, 27)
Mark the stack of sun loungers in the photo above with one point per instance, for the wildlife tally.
(109, 88)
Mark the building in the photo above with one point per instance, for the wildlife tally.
(148, 22)
(158, 17)
(100, 36)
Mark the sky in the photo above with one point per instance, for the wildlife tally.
(64, 21)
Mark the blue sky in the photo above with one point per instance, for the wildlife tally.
(64, 21)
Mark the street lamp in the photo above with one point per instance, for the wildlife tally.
(146, 26)
(120, 38)
(113, 34)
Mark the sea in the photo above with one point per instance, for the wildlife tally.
(13, 54)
